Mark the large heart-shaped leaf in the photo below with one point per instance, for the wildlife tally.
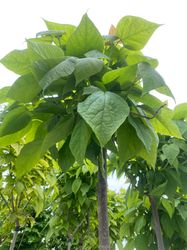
(17, 61)
(24, 89)
(45, 51)
(135, 31)
(104, 112)
(85, 38)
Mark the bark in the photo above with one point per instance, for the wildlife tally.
(104, 242)
(13, 243)
(69, 245)
(157, 227)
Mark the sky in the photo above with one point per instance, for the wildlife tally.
(21, 19)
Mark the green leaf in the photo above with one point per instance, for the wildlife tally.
(85, 38)
(52, 33)
(151, 78)
(79, 140)
(59, 132)
(14, 137)
(25, 89)
(159, 190)
(135, 31)
(139, 224)
(182, 224)
(128, 142)
(32, 152)
(85, 188)
(17, 61)
(180, 111)
(168, 206)
(15, 120)
(76, 185)
(65, 157)
(167, 225)
(45, 51)
(3, 94)
(137, 58)
(68, 28)
(150, 156)
(122, 75)
(130, 245)
(163, 124)
(63, 69)
(96, 54)
(90, 90)
(28, 158)
(87, 67)
(104, 112)
(171, 151)
(143, 132)
(182, 211)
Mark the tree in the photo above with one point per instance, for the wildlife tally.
(85, 93)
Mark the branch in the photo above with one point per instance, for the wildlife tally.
(5, 201)
(150, 117)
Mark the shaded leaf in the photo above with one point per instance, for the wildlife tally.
(79, 140)
(63, 69)
(95, 54)
(142, 131)
(139, 224)
(76, 185)
(151, 79)
(87, 67)
(159, 190)
(15, 120)
(32, 152)
(128, 142)
(167, 225)
(65, 157)
(171, 151)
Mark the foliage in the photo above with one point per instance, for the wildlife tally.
(77, 93)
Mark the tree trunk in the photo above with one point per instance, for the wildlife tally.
(104, 242)
(69, 245)
(13, 243)
(80, 244)
(157, 227)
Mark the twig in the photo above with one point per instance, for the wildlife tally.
(5, 201)
(150, 117)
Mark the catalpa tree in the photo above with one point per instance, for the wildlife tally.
(81, 95)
